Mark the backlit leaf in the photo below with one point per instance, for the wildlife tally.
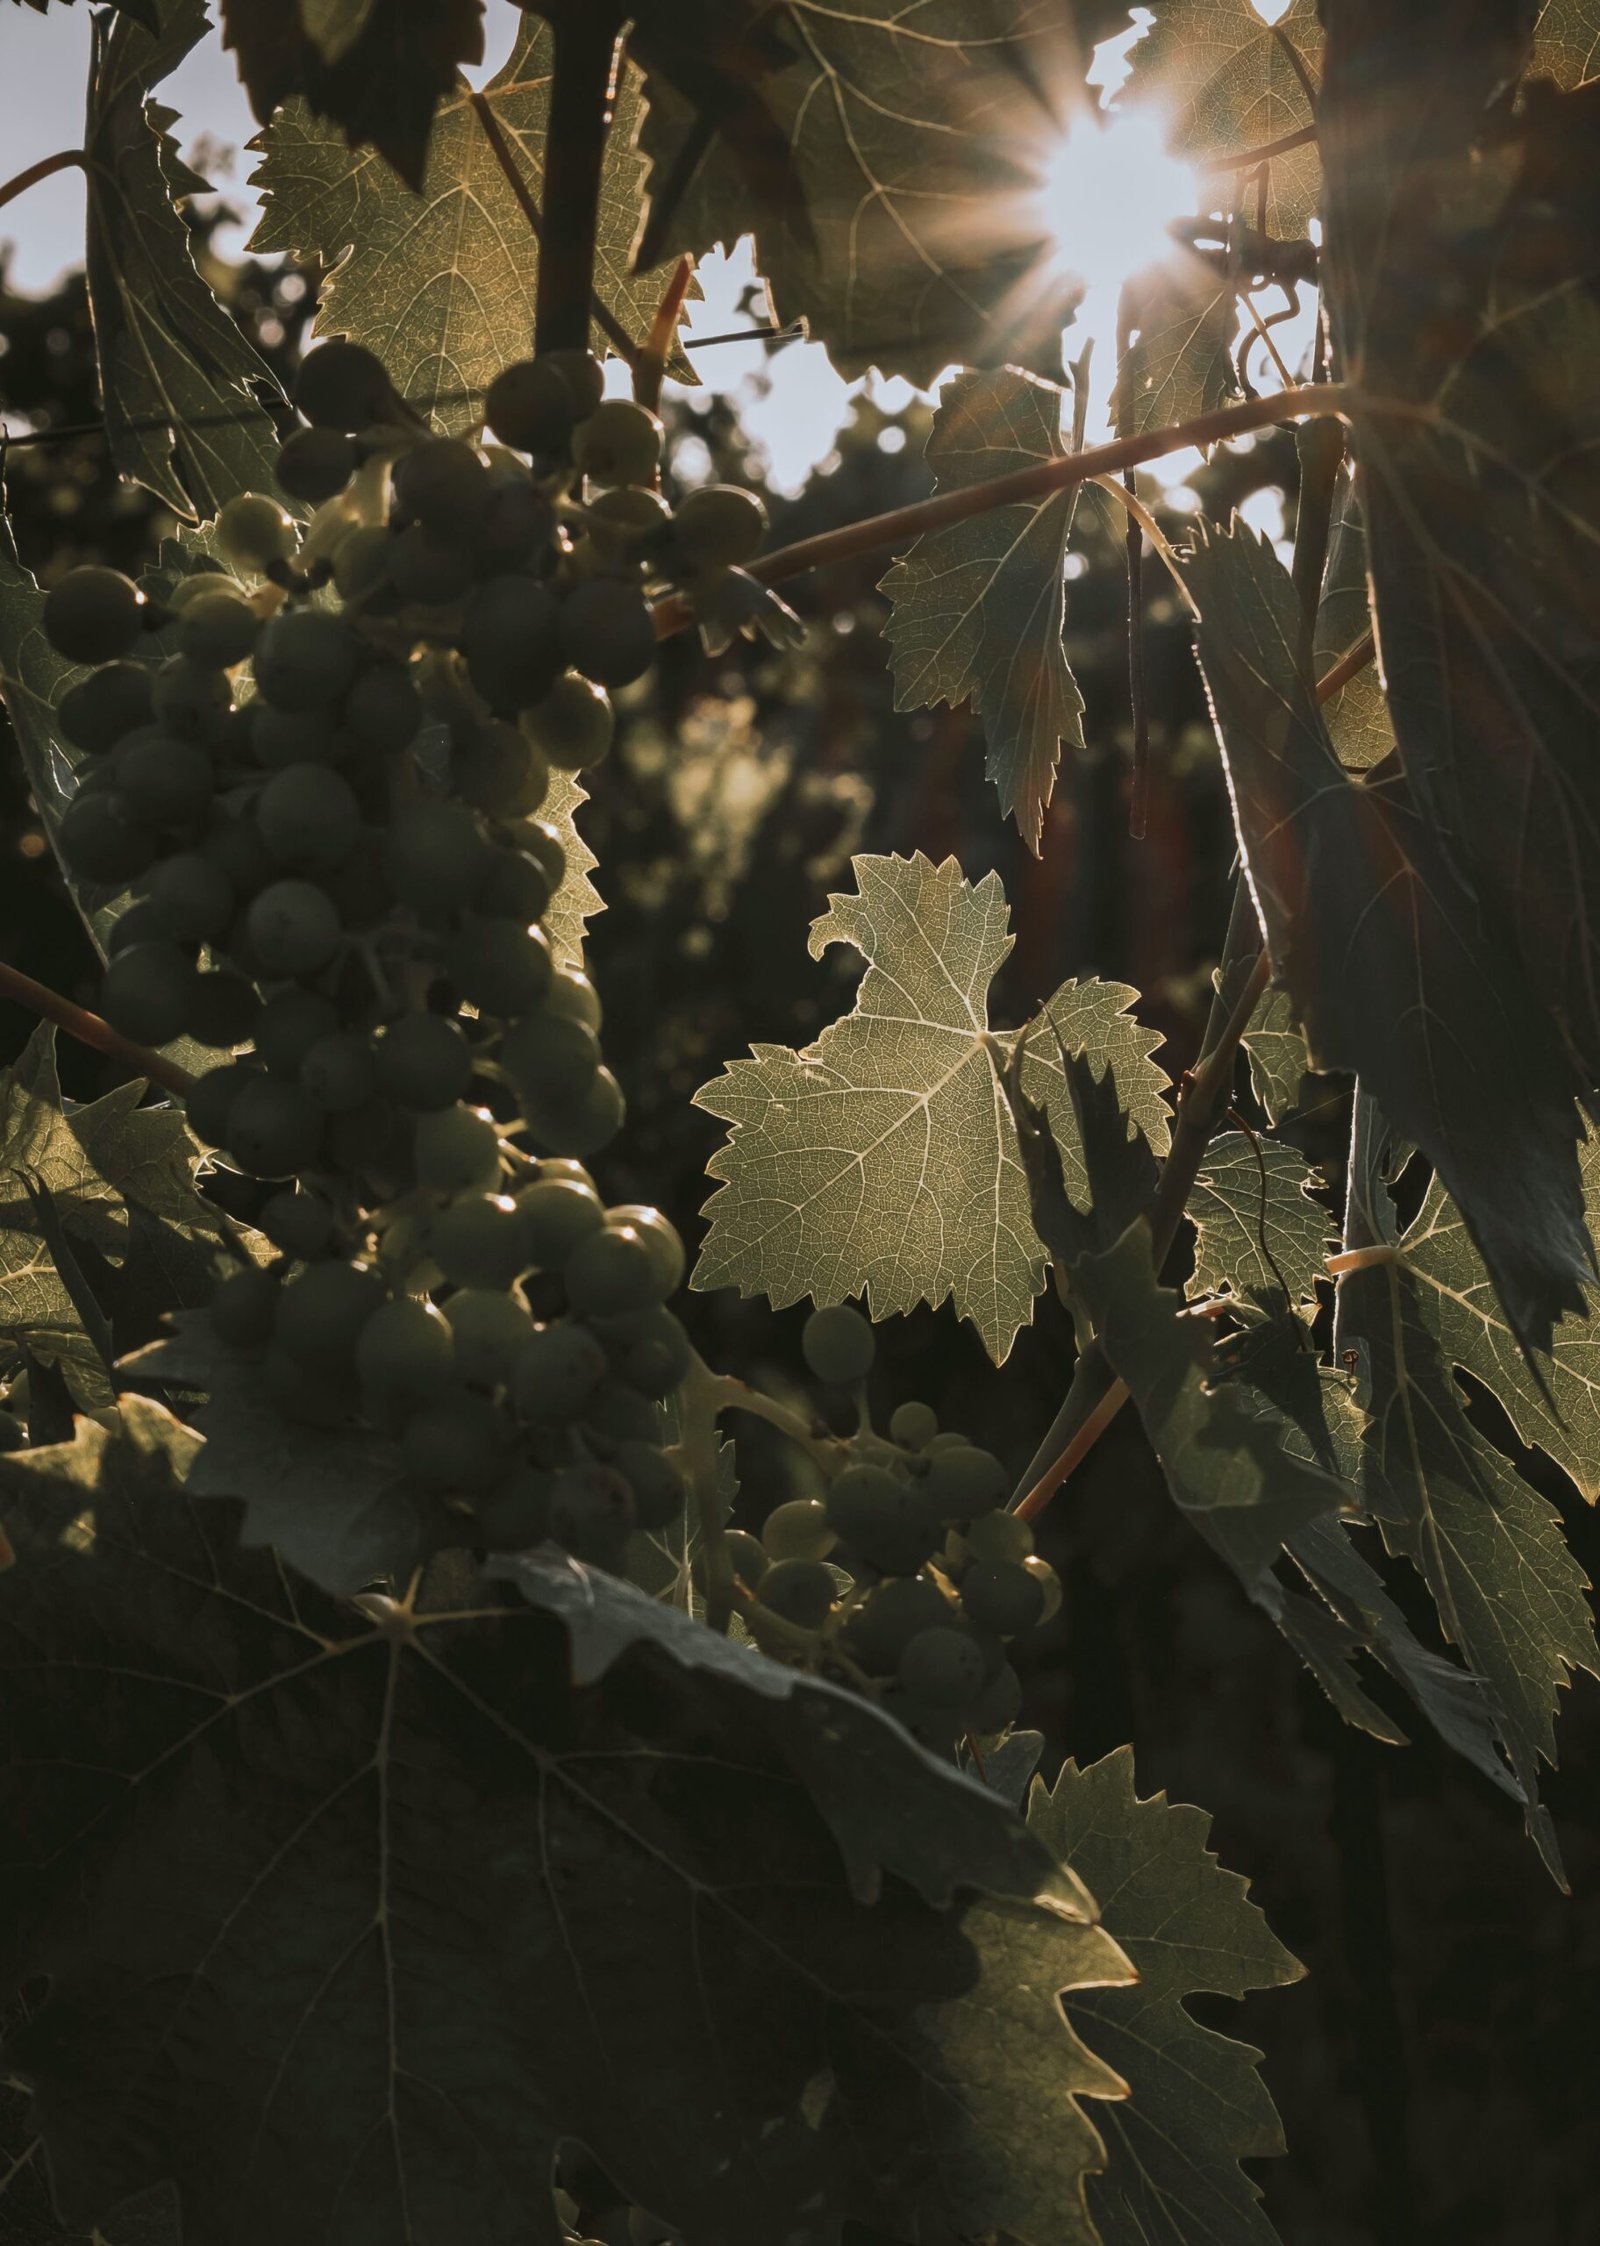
(1385, 956)
(1262, 1239)
(1567, 46)
(347, 1916)
(441, 283)
(977, 608)
(1357, 717)
(1197, 2106)
(1181, 321)
(883, 1158)
(577, 900)
(168, 353)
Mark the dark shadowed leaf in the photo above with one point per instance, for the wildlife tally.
(889, 164)
(349, 1915)
(1198, 2107)
(977, 608)
(1388, 961)
(1357, 717)
(142, 11)
(374, 69)
(167, 350)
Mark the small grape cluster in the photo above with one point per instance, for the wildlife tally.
(909, 1577)
(324, 798)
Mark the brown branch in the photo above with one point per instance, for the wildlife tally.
(89, 1029)
(902, 525)
(64, 160)
(650, 365)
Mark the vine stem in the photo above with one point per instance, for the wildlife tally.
(902, 525)
(582, 91)
(90, 1029)
(65, 159)
(728, 1393)
(650, 366)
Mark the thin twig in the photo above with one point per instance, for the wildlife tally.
(1138, 700)
(650, 366)
(1302, 137)
(65, 159)
(89, 1029)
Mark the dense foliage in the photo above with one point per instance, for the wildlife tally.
(483, 1762)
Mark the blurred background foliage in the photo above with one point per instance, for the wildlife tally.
(1433, 2071)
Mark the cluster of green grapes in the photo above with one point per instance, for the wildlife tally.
(324, 796)
(910, 1573)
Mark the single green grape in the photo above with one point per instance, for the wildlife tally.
(383, 708)
(434, 856)
(191, 896)
(147, 992)
(342, 386)
(719, 526)
(103, 838)
(340, 1072)
(93, 615)
(510, 633)
(442, 484)
(943, 1666)
(479, 1241)
(557, 1371)
(1001, 1596)
(217, 630)
(591, 1512)
(499, 967)
(608, 632)
(223, 1008)
(315, 464)
(549, 1058)
(557, 1213)
(660, 1236)
(581, 1126)
(963, 1482)
(243, 1307)
(799, 1590)
(308, 817)
(572, 993)
(289, 1024)
(491, 1328)
(426, 569)
(612, 1271)
(530, 407)
(322, 1311)
(112, 701)
(837, 1344)
(618, 443)
(424, 1062)
(914, 1425)
(162, 777)
(998, 1536)
(574, 723)
(405, 1356)
(305, 659)
(274, 1128)
(298, 1222)
(656, 1481)
(252, 532)
(499, 770)
(799, 1529)
(293, 928)
(458, 1151)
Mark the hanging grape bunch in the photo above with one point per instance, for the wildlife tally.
(909, 1578)
(325, 803)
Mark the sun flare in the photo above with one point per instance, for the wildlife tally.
(1109, 191)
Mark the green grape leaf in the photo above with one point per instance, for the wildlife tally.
(352, 1911)
(1385, 956)
(1508, 1591)
(883, 1159)
(1560, 1410)
(1197, 2105)
(1180, 322)
(576, 900)
(1221, 74)
(40, 1150)
(374, 69)
(1472, 432)
(175, 368)
(1275, 1048)
(1357, 717)
(977, 609)
(1567, 44)
(441, 282)
(1262, 1239)
(142, 11)
(889, 165)
(335, 1503)
(1228, 1470)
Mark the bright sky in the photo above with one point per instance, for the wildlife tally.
(793, 404)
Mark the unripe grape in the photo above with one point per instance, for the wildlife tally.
(304, 659)
(799, 1530)
(582, 373)
(625, 526)
(607, 632)
(618, 443)
(434, 856)
(881, 1519)
(274, 1128)
(242, 1308)
(103, 838)
(383, 708)
(96, 713)
(515, 1514)
(424, 1062)
(147, 991)
(136, 924)
(191, 699)
(290, 1023)
(611, 1271)
(511, 636)
(1001, 1596)
(582, 1126)
(315, 464)
(499, 967)
(491, 1329)
(573, 724)
(404, 1356)
(914, 1425)
(538, 839)
(557, 1213)
(649, 1349)
(719, 526)
(340, 1072)
(943, 1666)
(1049, 1584)
(518, 523)
(207, 580)
(837, 1343)
(997, 1704)
(299, 1223)
(591, 1512)
(293, 928)
(549, 1058)
(442, 484)
(460, 1443)
(516, 888)
(162, 777)
(458, 1151)
(208, 1103)
(879, 1630)
(93, 614)
(342, 386)
(998, 1536)
(253, 532)
(427, 569)
(660, 1236)
(963, 1482)
(530, 407)
(746, 1557)
(800, 1590)
(479, 1241)
(223, 1008)
(656, 1481)
(308, 817)
(217, 630)
(499, 770)
(360, 561)
(192, 896)
(285, 737)
(571, 992)
(323, 1311)
(557, 1371)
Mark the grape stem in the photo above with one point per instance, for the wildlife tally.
(90, 1029)
(64, 160)
(730, 1394)
(901, 526)
(697, 1444)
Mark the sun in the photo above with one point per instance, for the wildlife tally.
(1108, 192)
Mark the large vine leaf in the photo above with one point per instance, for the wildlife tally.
(1472, 428)
(977, 608)
(1222, 75)
(1198, 2106)
(376, 69)
(1508, 1591)
(1261, 1238)
(441, 282)
(883, 1159)
(1357, 717)
(175, 369)
(1179, 320)
(1394, 969)
(1567, 46)
(348, 1915)
(889, 162)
